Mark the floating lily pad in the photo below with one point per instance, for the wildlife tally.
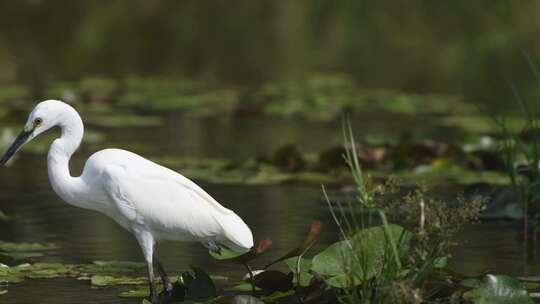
(112, 267)
(225, 254)
(102, 280)
(141, 292)
(199, 286)
(10, 274)
(26, 247)
(48, 270)
(17, 257)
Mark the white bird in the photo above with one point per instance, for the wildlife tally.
(152, 202)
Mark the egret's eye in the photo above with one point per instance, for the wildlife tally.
(38, 121)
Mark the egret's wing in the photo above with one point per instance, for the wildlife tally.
(160, 199)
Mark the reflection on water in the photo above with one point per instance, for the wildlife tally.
(282, 213)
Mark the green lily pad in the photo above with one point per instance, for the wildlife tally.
(112, 267)
(10, 275)
(48, 270)
(103, 280)
(141, 292)
(26, 247)
(225, 254)
(17, 257)
(199, 285)
(497, 289)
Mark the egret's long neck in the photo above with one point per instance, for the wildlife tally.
(65, 185)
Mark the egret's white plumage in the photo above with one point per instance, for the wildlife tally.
(151, 201)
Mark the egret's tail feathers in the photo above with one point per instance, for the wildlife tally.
(236, 234)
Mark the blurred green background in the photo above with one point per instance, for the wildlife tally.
(469, 48)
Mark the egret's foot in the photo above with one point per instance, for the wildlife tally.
(213, 247)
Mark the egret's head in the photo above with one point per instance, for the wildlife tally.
(45, 115)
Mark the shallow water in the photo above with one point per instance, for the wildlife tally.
(282, 213)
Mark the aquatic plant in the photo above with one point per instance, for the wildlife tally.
(382, 262)
(521, 152)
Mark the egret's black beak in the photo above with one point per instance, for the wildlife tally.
(15, 146)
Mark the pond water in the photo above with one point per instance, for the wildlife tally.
(282, 213)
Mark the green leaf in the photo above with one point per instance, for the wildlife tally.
(225, 254)
(18, 257)
(201, 286)
(498, 289)
(305, 267)
(112, 267)
(360, 257)
(26, 247)
(242, 258)
(101, 280)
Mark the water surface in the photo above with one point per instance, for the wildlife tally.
(282, 212)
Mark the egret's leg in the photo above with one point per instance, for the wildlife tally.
(164, 278)
(146, 241)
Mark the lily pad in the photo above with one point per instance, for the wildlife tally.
(17, 257)
(26, 247)
(48, 270)
(136, 293)
(112, 267)
(199, 286)
(102, 280)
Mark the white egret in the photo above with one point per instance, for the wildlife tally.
(152, 202)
